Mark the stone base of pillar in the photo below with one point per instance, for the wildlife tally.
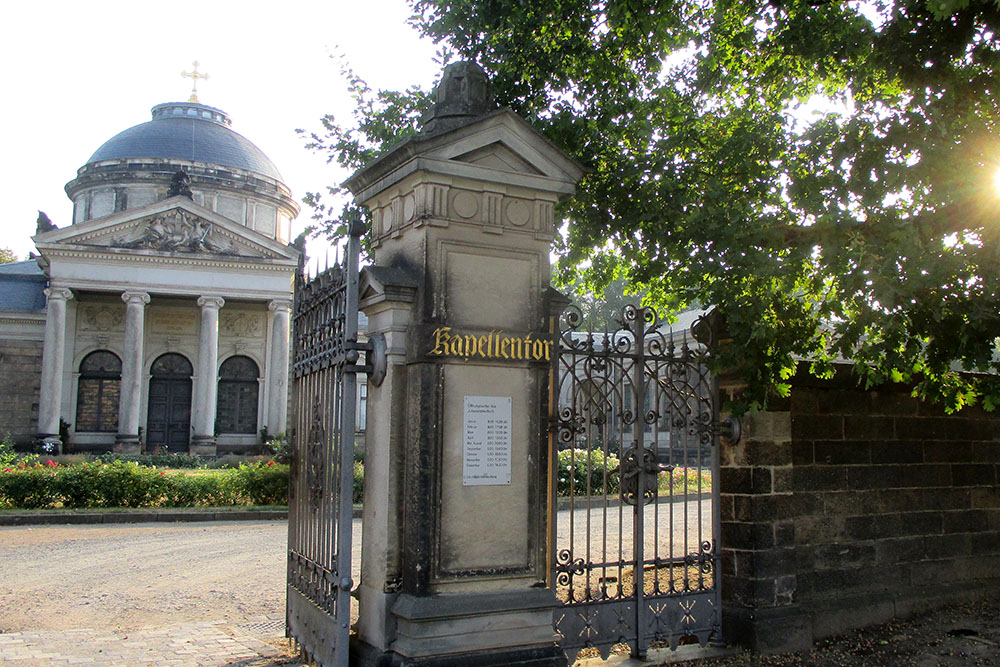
(475, 629)
(202, 445)
(128, 447)
(128, 444)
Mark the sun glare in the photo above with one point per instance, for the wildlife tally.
(996, 181)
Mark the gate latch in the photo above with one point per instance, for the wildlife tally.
(629, 476)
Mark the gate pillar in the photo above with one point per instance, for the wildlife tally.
(454, 560)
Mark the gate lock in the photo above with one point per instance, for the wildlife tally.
(629, 476)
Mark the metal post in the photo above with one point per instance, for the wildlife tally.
(638, 536)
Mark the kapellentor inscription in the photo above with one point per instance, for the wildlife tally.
(492, 345)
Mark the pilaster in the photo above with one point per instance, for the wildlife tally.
(131, 384)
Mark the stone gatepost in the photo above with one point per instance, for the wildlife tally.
(454, 557)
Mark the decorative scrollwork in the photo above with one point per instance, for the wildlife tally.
(567, 567)
(314, 455)
(629, 470)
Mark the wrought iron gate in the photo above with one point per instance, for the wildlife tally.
(324, 368)
(635, 539)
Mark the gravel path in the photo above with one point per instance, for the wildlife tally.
(126, 577)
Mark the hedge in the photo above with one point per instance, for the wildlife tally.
(127, 484)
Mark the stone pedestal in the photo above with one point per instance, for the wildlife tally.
(454, 555)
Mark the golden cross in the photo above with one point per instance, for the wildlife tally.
(194, 76)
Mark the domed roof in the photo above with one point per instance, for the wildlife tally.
(187, 131)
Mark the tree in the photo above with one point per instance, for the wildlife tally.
(7, 256)
(820, 171)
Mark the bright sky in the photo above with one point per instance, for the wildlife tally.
(77, 73)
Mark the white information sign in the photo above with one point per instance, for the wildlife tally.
(486, 449)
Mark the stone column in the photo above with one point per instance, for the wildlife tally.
(206, 388)
(454, 557)
(53, 353)
(129, 404)
(277, 371)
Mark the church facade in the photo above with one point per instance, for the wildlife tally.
(165, 325)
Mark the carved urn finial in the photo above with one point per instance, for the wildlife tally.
(463, 94)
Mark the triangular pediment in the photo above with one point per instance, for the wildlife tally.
(172, 227)
(500, 157)
(502, 141)
(497, 147)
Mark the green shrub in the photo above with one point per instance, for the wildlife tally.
(359, 482)
(127, 484)
(576, 467)
(212, 490)
(28, 487)
(78, 485)
(263, 483)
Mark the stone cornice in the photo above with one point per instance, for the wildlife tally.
(213, 261)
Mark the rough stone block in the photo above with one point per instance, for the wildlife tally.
(861, 427)
(973, 474)
(735, 480)
(947, 452)
(893, 403)
(820, 478)
(947, 498)
(802, 452)
(927, 474)
(817, 427)
(843, 452)
(965, 521)
(768, 453)
(774, 426)
(894, 551)
(762, 480)
(921, 523)
(874, 477)
(947, 546)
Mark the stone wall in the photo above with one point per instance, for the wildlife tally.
(843, 508)
(20, 375)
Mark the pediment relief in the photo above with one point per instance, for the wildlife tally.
(173, 231)
(176, 230)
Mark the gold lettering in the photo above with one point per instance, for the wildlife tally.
(538, 349)
(548, 350)
(483, 346)
(470, 345)
(515, 348)
(504, 344)
(441, 340)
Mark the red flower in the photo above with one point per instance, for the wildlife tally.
(7, 470)
(270, 463)
(52, 464)
(162, 473)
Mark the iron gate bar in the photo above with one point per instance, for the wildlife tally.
(325, 364)
(637, 385)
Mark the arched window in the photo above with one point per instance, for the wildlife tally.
(238, 387)
(98, 392)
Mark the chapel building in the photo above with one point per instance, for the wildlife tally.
(164, 325)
